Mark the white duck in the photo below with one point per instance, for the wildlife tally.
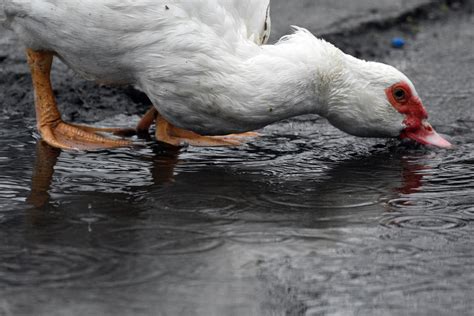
(203, 65)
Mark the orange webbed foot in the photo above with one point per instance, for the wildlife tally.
(76, 137)
(167, 133)
(51, 127)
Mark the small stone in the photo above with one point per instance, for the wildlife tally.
(398, 42)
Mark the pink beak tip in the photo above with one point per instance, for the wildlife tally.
(426, 135)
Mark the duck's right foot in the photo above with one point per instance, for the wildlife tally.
(175, 136)
(167, 133)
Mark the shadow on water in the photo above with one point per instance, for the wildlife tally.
(296, 223)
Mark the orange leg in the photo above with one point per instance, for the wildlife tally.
(147, 120)
(167, 133)
(50, 125)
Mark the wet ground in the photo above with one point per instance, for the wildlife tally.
(304, 220)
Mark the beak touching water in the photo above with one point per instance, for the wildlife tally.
(426, 135)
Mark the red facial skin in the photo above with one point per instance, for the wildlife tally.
(410, 106)
(405, 102)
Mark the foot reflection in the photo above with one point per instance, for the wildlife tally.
(160, 164)
(45, 160)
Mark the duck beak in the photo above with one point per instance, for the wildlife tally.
(426, 135)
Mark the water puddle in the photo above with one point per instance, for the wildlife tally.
(304, 220)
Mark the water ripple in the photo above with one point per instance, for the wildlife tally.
(154, 240)
(467, 212)
(281, 237)
(51, 266)
(424, 222)
(336, 196)
(201, 202)
(419, 203)
(101, 172)
(455, 176)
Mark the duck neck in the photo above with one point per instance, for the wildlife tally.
(292, 78)
(276, 87)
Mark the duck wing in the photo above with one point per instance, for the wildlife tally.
(250, 17)
(99, 39)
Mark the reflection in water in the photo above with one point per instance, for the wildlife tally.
(412, 177)
(45, 160)
(161, 170)
(345, 185)
(310, 224)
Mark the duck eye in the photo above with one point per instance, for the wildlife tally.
(399, 94)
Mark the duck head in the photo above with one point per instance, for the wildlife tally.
(371, 99)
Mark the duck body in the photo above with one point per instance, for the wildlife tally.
(188, 61)
(206, 69)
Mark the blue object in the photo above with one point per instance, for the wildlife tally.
(398, 42)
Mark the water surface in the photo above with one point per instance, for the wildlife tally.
(304, 220)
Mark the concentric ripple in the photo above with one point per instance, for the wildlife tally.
(278, 237)
(424, 222)
(50, 266)
(418, 203)
(455, 176)
(206, 203)
(467, 212)
(158, 240)
(337, 196)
